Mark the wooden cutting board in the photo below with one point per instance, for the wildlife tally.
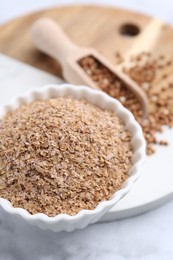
(107, 29)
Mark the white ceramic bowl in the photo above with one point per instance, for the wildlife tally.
(102, 100)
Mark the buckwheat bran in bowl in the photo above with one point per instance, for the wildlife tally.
(67, 155)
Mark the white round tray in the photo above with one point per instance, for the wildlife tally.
(155, 186)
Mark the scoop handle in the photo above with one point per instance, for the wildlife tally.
(48, 36)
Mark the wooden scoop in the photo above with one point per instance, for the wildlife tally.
(51, 39)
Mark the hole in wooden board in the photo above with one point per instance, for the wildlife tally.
(129, 30)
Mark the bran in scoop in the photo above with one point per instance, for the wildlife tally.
(154, 76)
(61, 156)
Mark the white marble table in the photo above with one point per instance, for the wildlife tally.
(146, 237)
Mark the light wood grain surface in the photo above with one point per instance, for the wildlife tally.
(89, 26)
